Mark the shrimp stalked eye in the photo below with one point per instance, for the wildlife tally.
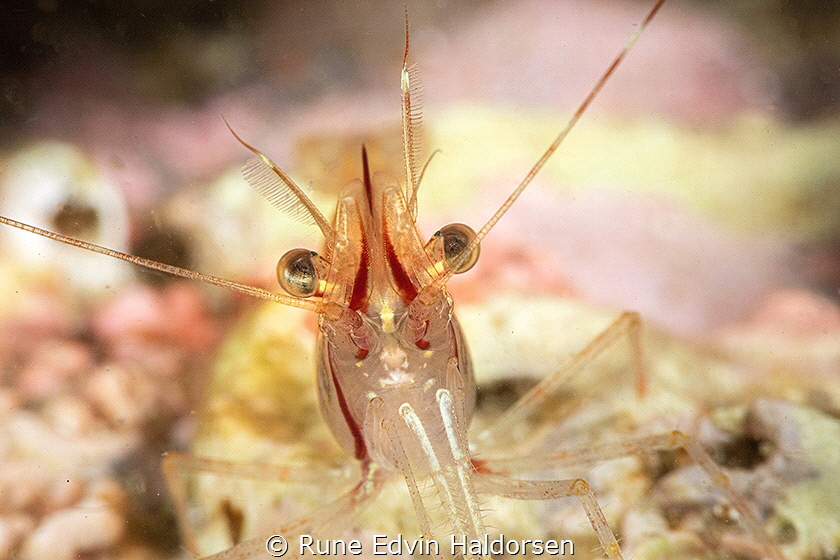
(454, 240)
(299, 272)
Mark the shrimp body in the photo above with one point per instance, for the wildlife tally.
(395, 380)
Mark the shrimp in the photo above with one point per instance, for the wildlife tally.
(395, 380)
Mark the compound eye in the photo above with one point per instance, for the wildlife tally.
(456, 238)
(297, 272)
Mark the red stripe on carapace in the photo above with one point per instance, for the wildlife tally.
(366, 180)
(359, 449)
(359, 296)
(404, 285)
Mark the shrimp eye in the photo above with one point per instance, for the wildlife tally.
(297, 272)
(456, 238)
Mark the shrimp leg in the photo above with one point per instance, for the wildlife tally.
(495, 478)
(330, 520)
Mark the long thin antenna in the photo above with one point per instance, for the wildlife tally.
(315, 306)
(482, 233)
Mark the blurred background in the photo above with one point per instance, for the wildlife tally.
(702, 189)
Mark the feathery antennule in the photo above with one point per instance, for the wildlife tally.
(415, 120)
(412, 96)
(277, 187)
(262, 179)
